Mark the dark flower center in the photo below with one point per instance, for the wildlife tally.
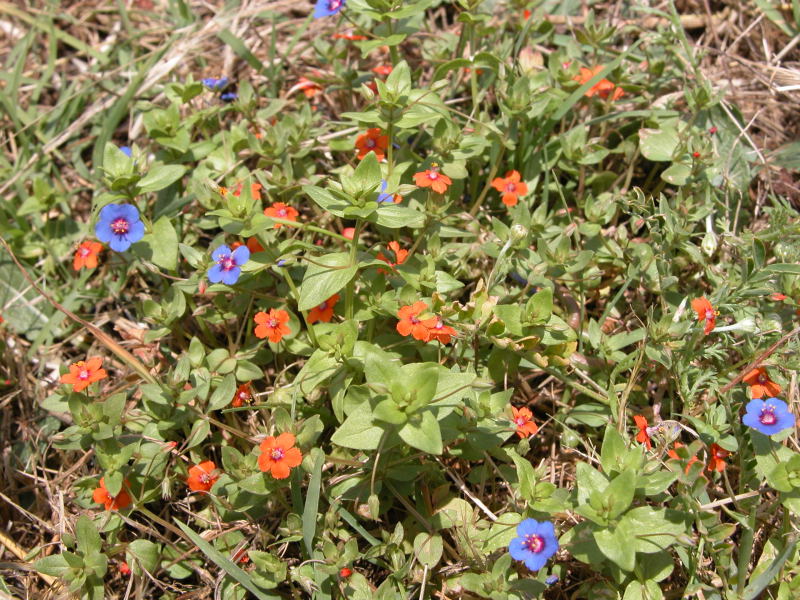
(84, 374)
(762, 379)
(273, 323)
(324, 305)
(120, 226)
(767, 416)
(534, 543)
(511, 187)
(370, 143)
(709, 315)
(334, 4)
(277, 454)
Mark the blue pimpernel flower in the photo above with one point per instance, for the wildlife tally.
(126, 150)
(382, 196)
(228, 96)
(768, 416)
(119, 226)
(551, 579)
(536, 543)
(213, 83)
(227, 267)
(326, 8)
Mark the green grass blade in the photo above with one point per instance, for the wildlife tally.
(312, 501)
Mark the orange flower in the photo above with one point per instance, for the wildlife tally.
(778, 297)
(372, 141)
(432, 179)
(511, 187)
(602, 88)
(124, 569)
(526, 14)
(323, 312)
(349, 232)
(118, 502)
(278, 455)
(760, 384)
(242, 396)
(643, 437)
(255, 190)
(279, 210)
(410, 324)
(254, 245)
(382, 69)
(705, 312)
(440, 332)
(272, 325)
(673, 454)
(353, 37)
(86, 255)
(716, 458)
(400, 256)
(308, 87)
(523, 419)
(82, 374)
(202, 477)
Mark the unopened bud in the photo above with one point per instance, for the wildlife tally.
(518, 233)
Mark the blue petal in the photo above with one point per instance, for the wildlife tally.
(215, 274)
(119, 243)
(322, 9)
(241, 255)
(517, 550)
(128, 212)
(136, 231)
(536, 561)
(228, 96)
(109, 212)
(528, 527)
(220, 253)
(103, 231)
(383, 185)
(230, 276)
(126, 150)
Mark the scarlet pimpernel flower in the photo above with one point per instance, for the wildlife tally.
(86, 255)
(643, 437)
(768, 416)
(440, 332)
(279, 210)
(82, 374)
(305, 85)
(716, 458)
(323, 312)
(603, 88)
(202, 477)
(523, 419)
(118, 502)
(119, 226)
(227, 264)
(536, 543)
(673, 454)
(760, 383)
(272, 325)
(382, 70)
(510, 187)
(705, 313)
(278, 455)
(242, 396)
(411, 324)
(373, 140)
(400, 256)
(353, 37)
(433, 179)
(327, 8)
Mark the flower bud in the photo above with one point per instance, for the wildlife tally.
(709, 244)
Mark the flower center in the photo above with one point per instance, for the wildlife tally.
(324, 305)
(520, 421)
(277, 454)
(709, 315)
(433, 175)
(534, 543)
(273, 323)
(762, 379)
(767, 416)
(511, 187)
(226, 262)
(720, 453)
(438, 325)
(120, 226)
(282, 212)
(334, 4)
(205, 478)
(243, 395)
(414, 319)
(84, 374)
(84, 252)
(370, 143)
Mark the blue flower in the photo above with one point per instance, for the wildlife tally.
(126, 150)
(227, 267)
(213, 83)
(119, 226)
(228, 96)
(536, 543)
(326, 8)
(382, 196)
(768, 416)
(551, 579)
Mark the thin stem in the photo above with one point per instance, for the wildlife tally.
(351, 285)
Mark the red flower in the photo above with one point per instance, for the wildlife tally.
(410, 324)
(716, 458)
(602, 88)
(642, 437)
(778, 297)
(349, 36)
(440, 332)
(344, 572)
(526, 14)
(255, 190)
(124, 569)
(278, 455)
(308, 87)
(523, 419)
(432, 179)
(279, 210)
(511, 187)
(272, 325)
(86, 255)
(82, 374)
(323, 312)
(372, 141)
(705, 312)
(254, 245)
(382, 70)
(118, 502)
(242, 396)
(672, 454)
(202, 477)
(400, 256)
(349, 232)
(760, 384)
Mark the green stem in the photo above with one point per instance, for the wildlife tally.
(309, 327)
(351, 285)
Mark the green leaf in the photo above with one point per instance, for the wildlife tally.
(146, 553)
(326, 200)
(89, 540)
(616, 545)
(367, 176)
(423, 433)
(320, 367)
(358, 431)
(159, 177)
(754, 588)
(323, 280)
(395, 216)
(428, 549)
(224, 563)
(223, 395)
(160, 246)
(619, 493)
(654, 529)
(677, 173)
(58, 565)
(658, 144)
(540, 306)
